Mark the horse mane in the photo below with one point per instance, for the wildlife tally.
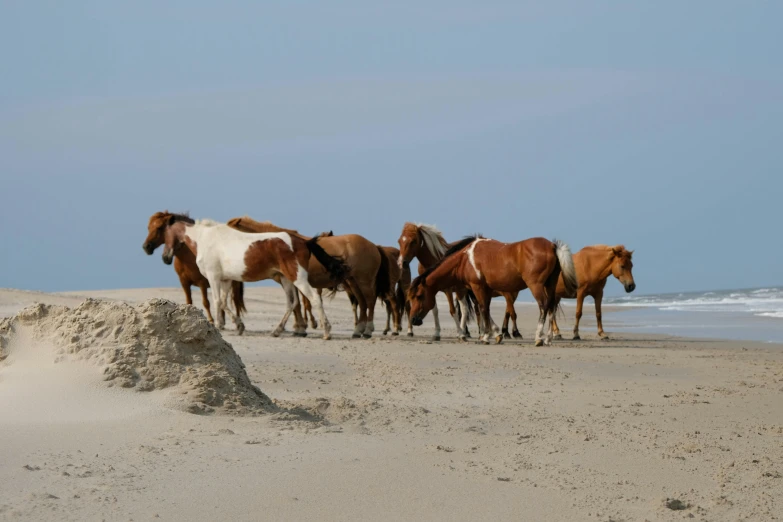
(251, 223)
(183, 216)
(623, 252)
(207, 223)
(456, 247)
(433, 239)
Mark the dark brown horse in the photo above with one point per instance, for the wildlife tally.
(487, 266)
(186, 268)
(594, 264)
(367, 274)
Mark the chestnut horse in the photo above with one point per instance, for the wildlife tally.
(487, 266)
(427, 244)
(186, 268)
(594, 264)
(367, 275)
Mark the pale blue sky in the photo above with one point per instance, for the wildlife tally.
(654, 124)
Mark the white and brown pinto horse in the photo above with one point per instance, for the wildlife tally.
(594, 264)
(487, 266)
(224, 254)
(367, 275)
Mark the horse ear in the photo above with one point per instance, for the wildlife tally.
(331, 233)
(617, 250)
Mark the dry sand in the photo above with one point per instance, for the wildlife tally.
(380, 429)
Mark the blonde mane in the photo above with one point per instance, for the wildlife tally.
(207, 223)
(433, 239)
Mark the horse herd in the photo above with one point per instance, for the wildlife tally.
(470, 272)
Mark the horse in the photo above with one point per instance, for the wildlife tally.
(594, 264)
(186, 268)
(487, 266)
(367, 275)
(224, 254)
(427, 244)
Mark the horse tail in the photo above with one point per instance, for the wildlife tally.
(472, 310)
(238, 295)
(566, 262)
(399, 296)
(335, 266)
(382, 281)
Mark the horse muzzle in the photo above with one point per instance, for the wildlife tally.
(168, 256)
(417, 320)
(148, 248)
(630, 287)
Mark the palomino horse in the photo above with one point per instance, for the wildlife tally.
(367, 275)
(224, 254)
(186, 268)
(426, 243)
(487, 266)
(594, 264)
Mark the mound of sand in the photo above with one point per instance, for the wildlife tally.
(155, 345)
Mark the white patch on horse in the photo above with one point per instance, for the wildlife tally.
(472, 257)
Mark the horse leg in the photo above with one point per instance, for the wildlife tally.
(388, 316)
(515, 331)
(353, 289)
(312, 294)
(214, 285)
(369, 326)
(453, 310)
(396, 315)
(556, 329)
(463, 302)
(436, 335)
(290, 294)
(506, 317)
(204, 287)
(598, 297)
(225, 290)
(580, 299)
(539, 292)
(408, 314)
(308, 311)
(300, 322)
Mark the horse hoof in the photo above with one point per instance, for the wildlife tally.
(498, 339)
(516, 334)
(356, 335)
(486, 342)
(395, 333)
(313, 325)
(410, 334)
(462, 338)
(558, 337)
(436, 337)
(467, 334)
(577, 338)
(240, 329)
(327, 337)
(366, 335)
(300, 334)
(539, 342)
(604, 337)
(385, 332)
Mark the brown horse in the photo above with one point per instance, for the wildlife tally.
(224, 254)
(186, 268)
(367, 275)
(427, 244)
(487, 266)
(594, 264)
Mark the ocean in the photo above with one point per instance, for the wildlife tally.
(754, 314)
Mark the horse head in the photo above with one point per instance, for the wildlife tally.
(622, 267)
(155, 229)
(410, 241)
(422, 299)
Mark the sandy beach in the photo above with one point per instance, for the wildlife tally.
(640, 427)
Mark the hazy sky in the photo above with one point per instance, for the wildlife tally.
(654, 124)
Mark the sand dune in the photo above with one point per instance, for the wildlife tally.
(635, 428)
